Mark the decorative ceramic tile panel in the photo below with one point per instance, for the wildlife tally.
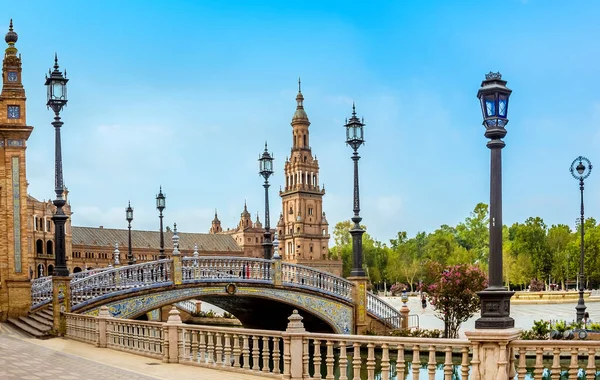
(16, 190)
(11, 142)
(336, 314)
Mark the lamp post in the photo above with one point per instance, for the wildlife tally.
(56, 84)
(495, 299)
(160, 205)
(265, 163)
(129, 217)
(580, 170)
(355, 138)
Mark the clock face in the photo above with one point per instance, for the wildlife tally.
(14, 112)
(12, 76)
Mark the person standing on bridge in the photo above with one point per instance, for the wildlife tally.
(423, 303)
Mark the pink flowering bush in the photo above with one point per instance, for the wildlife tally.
(453, 295)
(398, 288)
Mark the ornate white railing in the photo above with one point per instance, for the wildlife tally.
(383, 310)
(114, 280)
(204, 269)
(187, 305)
(86, 273)
(41, 291)
(137, 337)
(314, 279)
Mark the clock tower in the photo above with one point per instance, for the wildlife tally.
(15, 286)
(303, 230)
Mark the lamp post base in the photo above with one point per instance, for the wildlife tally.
(580, 308)
(495, 309)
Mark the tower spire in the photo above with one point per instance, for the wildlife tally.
(299, 84)
(11, 38)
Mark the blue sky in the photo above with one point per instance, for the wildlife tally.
(183, 94)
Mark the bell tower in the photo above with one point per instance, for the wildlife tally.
(215, 227)
(303, 231)
(15, 287)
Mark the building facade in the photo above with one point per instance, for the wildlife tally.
(15, 288)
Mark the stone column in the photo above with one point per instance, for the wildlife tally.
(103, 316)
(293, 352)
(171, 326)
(61, 302)
(359, 297)
(491, 355)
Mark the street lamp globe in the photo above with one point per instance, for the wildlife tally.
(129, 213)
(493, 96)
(354, 130)
(265, 164)
(160, 201)
(56, 85)
(581, 168)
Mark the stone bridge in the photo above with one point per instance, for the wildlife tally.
(260, 293)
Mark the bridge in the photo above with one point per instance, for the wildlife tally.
(260, 293)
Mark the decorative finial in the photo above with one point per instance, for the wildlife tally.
(299, 84)
(492, 75)
(195, 250)
(215, 213)
(353, 109)
(174, 228)
(265, 145)
(55, 60)
(11, 37)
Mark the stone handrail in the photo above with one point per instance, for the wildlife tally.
(127, 278)
(41, 291)
(86, 273)
(187, 305)
(83, 328)
(565, 357)
(305, 277)
(137, 337)
(383, 310)
(207, 269)
(247, 350)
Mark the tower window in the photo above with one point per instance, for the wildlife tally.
(310, 211)
(304, 146)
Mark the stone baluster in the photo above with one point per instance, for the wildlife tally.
(371, 361)
(343, 361)
(287, 358)
(401, 365)
(356, 361)
(385, 361)
(265, 354)
(202, 347)
(218, 349)
(574, 364)
(555, 369)
(255, 353)
(246, 352)
(236, 351)
(316, 359)
(522, 370)
(194, 348)
(276, 356)
(416, 362)
(538, 368)
(227, 350)
(330, 360)
(448, 363)
(210, 348)
(590, 371)
(464, 365)
(431, 364)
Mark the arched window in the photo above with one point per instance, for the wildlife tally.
(49, 247)
(50, 270)
(39, 246)
(304, 145)
(76, 270)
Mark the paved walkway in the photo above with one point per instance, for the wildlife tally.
(61, 359)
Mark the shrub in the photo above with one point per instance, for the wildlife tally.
(536, 285)
(418, 333)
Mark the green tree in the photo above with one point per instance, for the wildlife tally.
(529, 239)
(559, 237)
(473, 234)
(454, 295)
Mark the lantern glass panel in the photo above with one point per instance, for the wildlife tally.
(490, 106)
(129, 214)
(502, 105)
(160, 201)
(268, 165)
(57, 90)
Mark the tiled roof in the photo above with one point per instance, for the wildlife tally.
(106, 237)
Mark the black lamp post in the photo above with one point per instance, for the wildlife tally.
(266, 170)
(581, 169)
(56, 84)
(355, 138)
(160, 205)
(129, 217)
(495, 299)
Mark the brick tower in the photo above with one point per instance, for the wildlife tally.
(303, 231)
(15, 286)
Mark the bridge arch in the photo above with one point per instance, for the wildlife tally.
(256, 306)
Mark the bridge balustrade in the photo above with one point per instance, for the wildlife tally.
(309, 278)
(127, 278)
(41, 291)
(383, 311)
(209, 269)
